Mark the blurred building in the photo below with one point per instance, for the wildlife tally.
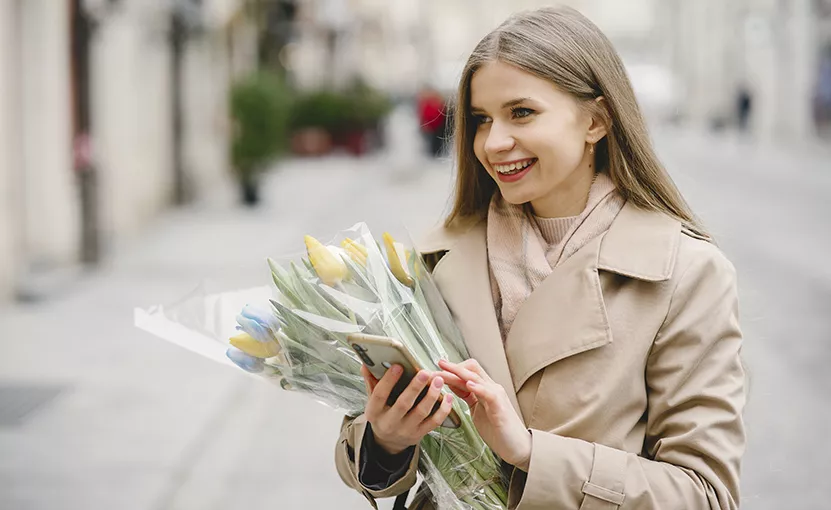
(153, 128)
(143, 106)
(769, 48)
(340, 41)
(404, 45)
(689, 61)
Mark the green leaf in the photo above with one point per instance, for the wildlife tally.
(309, 266)
(359, 277)
(314, 302)
(282, 281)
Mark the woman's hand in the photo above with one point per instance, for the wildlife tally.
(403, 424)
(493, 414)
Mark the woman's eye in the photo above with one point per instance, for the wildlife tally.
(481, 119)
(520, 113)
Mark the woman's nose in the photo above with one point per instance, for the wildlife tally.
(499, 140)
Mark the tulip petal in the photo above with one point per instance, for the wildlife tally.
(244, 361)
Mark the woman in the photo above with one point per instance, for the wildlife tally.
(600, 318)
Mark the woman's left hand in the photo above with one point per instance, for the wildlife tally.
(493, 414)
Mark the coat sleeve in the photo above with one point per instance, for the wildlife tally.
(348, 461)
(694, 432)
(377, 469)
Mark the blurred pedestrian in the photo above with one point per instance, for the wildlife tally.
(744, 106)
(822, 95)
(600, 318)
(433, 119)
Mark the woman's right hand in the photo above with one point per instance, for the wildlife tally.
(402, 425)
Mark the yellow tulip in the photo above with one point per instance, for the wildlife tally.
(398, 266)
(247, 344)
(329, 268)
(358, 246)
(356, 251)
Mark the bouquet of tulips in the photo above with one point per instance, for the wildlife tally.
(358, 285)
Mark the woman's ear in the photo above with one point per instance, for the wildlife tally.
(600, 120)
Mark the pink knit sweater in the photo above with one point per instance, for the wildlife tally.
(524, 249)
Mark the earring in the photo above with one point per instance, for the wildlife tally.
(591, 149)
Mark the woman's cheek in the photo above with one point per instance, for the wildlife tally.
(563, 158)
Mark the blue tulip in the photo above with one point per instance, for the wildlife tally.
(261, 325)
(257, 331)
(244, 361)
(264, 317)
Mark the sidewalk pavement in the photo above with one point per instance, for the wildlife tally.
(141, 424)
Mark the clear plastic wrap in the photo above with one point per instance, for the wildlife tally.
(295, 335)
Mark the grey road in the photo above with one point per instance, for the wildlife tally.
(119, 419)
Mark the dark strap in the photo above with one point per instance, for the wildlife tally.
(401, 501)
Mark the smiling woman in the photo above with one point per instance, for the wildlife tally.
(550, 80)
(601, 320)
(532, 139)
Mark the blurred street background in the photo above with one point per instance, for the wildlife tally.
(149, 148)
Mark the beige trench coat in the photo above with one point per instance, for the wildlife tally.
(624, 364)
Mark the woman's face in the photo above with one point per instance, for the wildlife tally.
(532, 139)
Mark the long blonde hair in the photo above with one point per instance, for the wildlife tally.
(562, 46)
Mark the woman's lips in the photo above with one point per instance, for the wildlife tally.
(517, 176)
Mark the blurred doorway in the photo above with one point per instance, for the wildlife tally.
(42, 219)
(11, 176)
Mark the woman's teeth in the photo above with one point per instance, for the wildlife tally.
(514, 167)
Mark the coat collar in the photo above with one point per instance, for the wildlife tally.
(640, 244)
(566, 314)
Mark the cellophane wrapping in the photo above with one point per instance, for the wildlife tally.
(295, 335)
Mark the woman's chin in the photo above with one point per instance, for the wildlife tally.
(515, 198)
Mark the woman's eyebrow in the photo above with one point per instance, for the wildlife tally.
(514, 102)
(506, 104)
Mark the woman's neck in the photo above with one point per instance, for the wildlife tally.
(568, 199)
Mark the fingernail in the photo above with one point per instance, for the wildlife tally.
(471, 384)
(422, 376)
(448, 398)
(438, 382)
(396, 369)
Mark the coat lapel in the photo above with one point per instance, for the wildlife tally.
(564, 316)
(462, 277)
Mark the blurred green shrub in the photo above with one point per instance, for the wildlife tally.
(357, 108)
(261, 109)
(266, 113)
(320, 109)
(370, 106)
